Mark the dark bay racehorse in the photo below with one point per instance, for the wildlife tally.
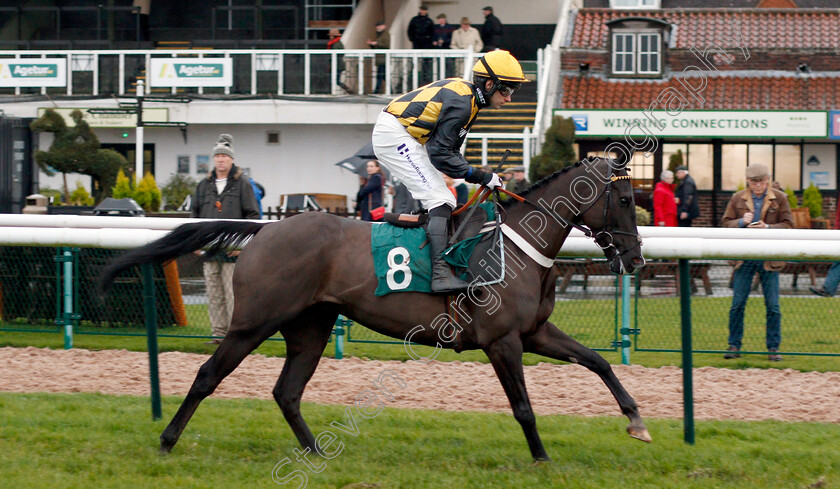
(297, 275)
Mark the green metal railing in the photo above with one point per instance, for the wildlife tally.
(53, 290)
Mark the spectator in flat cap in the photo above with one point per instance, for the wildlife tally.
(517, 183)
(443, 32)
(491, 31)
(421, 33)
(382, 41)
(421, 30)
(466, 36)
(687, 206)
(757, 206)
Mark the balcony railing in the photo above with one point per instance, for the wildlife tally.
(252, 71)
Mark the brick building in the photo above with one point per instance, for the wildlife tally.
(727, 85)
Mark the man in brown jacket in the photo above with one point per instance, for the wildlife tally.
(759, 207)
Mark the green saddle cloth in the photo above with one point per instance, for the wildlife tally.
(400, 264)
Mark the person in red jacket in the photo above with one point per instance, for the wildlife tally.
(664, 202)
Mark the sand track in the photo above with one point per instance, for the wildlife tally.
(753, 394)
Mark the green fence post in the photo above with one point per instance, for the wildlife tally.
(339, 337)
(625, 319)
(688, 373)
(151, 337)
(67, 284)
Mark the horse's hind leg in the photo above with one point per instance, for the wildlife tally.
(549, 341)
(506, 357)
(306, 339)
(236, 345)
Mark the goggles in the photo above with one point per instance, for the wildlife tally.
(507, 88)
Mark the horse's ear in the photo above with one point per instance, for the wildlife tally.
(622, 158)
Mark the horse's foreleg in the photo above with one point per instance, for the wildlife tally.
(306, 339)
(506, 357)
(230, 353)
(549, 341)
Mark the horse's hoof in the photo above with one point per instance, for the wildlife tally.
(166, 448)
(640, 434)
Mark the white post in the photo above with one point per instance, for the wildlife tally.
(526, 150)
(138, 140)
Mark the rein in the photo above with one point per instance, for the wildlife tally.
(602, 237)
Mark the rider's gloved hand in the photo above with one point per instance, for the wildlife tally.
(495, 181)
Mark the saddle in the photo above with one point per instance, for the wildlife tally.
(409, 221)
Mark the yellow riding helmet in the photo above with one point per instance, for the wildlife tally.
(502, 64)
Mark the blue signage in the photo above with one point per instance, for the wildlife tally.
(581, 122)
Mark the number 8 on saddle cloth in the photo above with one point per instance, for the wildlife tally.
(403, 264)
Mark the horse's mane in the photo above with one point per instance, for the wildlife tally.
(545, 180)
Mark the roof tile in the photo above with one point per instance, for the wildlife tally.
(760, 29)
(721, 93)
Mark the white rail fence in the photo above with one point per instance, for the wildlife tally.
(670, 243)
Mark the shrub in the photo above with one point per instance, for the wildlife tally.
(80, 196)
(53, 194)
(557, 151)
(176, 190)
(675, 160)
(792, 200)
(812, 199)
(123, 187)
(642, 216)
(147, 194)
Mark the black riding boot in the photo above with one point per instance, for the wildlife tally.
(443, 280)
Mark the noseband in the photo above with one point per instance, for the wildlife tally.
(603, 237)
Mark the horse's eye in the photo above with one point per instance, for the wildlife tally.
(625, 201)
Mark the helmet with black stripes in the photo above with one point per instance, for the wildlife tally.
(500, 67)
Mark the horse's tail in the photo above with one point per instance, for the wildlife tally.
(182, 240)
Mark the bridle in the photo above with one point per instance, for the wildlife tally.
(603, 237)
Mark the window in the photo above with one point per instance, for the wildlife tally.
(640, 168)
(634, 3)
(648, 53)
(761, 153)
(732, 165)
(701, 165)
(636, 53)
(623, 53)
(788, 165)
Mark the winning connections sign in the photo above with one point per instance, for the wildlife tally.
(208, 72)
(45, 72)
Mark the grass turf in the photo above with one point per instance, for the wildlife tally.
(90, 440)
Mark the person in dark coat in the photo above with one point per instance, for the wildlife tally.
(421, 30)
(370, 195)
(421, 33)
(443, 32)
(226, 193)
(382, 41)
(491, 30)
(687, 206)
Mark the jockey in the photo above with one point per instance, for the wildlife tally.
(420, 134)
